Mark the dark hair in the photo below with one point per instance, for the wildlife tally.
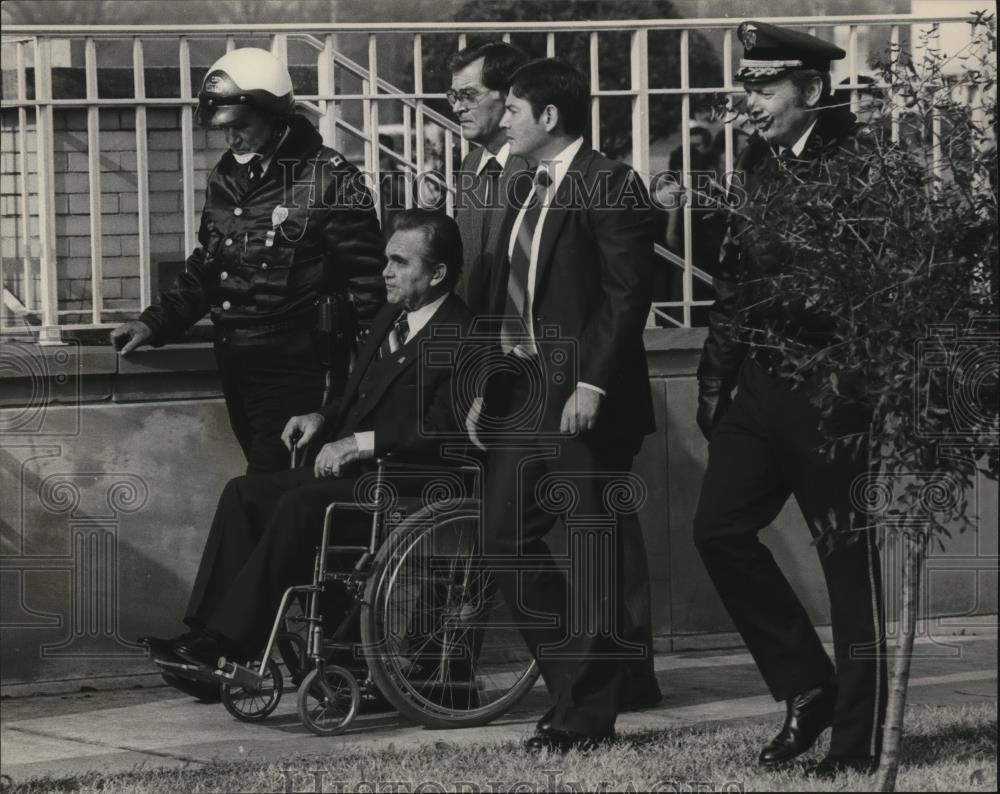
(442, 239)
(500, 61)
(552, 81)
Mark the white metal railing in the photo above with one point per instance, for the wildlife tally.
(331, 64)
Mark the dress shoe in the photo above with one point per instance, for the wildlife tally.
(205, 649)
(544, 724)
(640, 693)
(807, 716)
(374, 702)
(558, 741)
(164, 649)
(834, 765)
(203, 691)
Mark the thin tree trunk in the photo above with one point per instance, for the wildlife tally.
(915, 548)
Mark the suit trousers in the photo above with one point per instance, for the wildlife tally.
(263, 539)
(767, 447)
(568, 607)
(265, 385)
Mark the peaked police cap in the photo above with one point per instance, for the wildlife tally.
(770, 51)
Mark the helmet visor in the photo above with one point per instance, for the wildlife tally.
(212, 114)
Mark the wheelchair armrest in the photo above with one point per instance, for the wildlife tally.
(391, 463)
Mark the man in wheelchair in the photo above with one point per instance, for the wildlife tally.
(267, 526)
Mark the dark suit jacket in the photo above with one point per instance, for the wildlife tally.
(479, 225)
(405, 398)
(594, 283)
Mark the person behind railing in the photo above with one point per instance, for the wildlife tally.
(289, 258)
(397, 402)
(480, 77)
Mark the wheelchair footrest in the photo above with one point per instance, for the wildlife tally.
(191, 671)
(237, 675)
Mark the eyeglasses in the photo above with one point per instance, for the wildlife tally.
(465, 96)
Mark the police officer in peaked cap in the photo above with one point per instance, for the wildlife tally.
(289, 258)
(766, 443)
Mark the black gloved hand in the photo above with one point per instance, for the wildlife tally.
(713, 402)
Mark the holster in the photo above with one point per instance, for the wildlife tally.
(336, 332)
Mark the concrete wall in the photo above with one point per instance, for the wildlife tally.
(110, 471)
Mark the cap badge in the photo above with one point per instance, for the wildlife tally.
(748, 35)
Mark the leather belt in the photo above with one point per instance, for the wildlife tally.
(249, 335)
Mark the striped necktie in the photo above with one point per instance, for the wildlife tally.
(517, 320)
(396, 337)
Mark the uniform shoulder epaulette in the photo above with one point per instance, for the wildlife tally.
(336, 159)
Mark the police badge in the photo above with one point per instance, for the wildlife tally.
(278, 216)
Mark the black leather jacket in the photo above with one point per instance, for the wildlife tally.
(836, 132)
(268, 250)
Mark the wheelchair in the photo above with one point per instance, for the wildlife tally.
(422, 623)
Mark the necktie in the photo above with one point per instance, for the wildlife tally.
(255, 169)
(491, 172)
(402, 329)
(516, 317)
(396, 337)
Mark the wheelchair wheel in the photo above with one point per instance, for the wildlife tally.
(440, 642)
(328, 700)
(253, 704)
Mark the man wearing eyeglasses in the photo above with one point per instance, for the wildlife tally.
(479, 83)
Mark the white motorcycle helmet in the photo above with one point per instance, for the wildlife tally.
(247, 78)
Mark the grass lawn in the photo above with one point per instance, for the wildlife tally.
(947, 749)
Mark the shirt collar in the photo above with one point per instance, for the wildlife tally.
(418, 318)
(800, 144)
(501, 157)
(558, 166)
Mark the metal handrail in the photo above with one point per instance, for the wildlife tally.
(374, 88)
(553, 26)
(384, 85)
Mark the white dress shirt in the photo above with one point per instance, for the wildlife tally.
(800, 144)
(416, 320)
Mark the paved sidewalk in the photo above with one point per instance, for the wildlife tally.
(120, 731)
